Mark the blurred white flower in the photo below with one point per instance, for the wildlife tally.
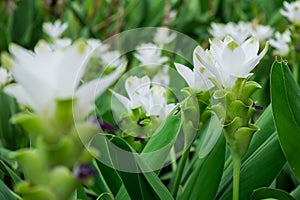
(54, 30)
(218, 30)
(150, 55)
(163, 36)
(227, 60)
(280, 43)
(162, 76)
(97, 46)
(240, 31)
(291, 11)
(262, 32)
(198, 79)
(152, 99)
(5, 76)
(112, 58)
(47, 75)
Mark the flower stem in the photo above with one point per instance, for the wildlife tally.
(236, 177)
(180, 172)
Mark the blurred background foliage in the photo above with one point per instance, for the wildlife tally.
(21, 20)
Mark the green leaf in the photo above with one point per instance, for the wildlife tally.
(285, 95)
(264, 193)
(8, 131)
(205, 178)
(5, 192)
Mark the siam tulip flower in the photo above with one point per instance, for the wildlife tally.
(239, 32)
(227, 60)
(291, 11)
(150, 55)
(47, 75)
(218, 30)
(163, 36)
(162, 76)
(54, 30)
(262, 32)
(97, 46)
(5, 76)
(152, 99)
(198, 79)
(112, 58)
(280, 43)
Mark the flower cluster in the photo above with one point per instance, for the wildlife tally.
(291, 11)
(241, 31)
(281, 43)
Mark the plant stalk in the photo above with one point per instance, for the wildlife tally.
(236, 177)
(180, 171)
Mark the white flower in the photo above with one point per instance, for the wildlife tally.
(240, 31)
(152, 99)
(262, 32)
(54, 30)
(227, 60)
(47, 75)
(112, 58)
(150, 55)
(97, 46)
(198, 79)
(218, 30)
(5, 76)
(280, 43)
(163, 36)
(162, 77)
(291, 11)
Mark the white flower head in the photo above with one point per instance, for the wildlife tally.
(163, 36)
(228, 60)
(5, 76)
(47, 75)
(291, 11)
(218, 30)
(153, 99)
(262, 32)
(54, 30)
(97, 46)
(280, 43)
(112, 58)
(150, 55)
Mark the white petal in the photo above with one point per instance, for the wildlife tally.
(186, 73)
(233, 59)
(250, 48)
(88, 92)
(137, 85)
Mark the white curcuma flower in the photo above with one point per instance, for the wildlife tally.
(152, 99)
(280, 43)
(240, 31)
(291, 11)
(54, 30)
(262, 32)
(97, 46)
(150, 55)
(47, 75)
(112, 58)
(5, 76)
(227, 60)
(198, 79)
(163, 36)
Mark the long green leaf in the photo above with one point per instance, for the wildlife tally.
(270, 193)
(5, 192)
(285, 96)
(204, 180)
